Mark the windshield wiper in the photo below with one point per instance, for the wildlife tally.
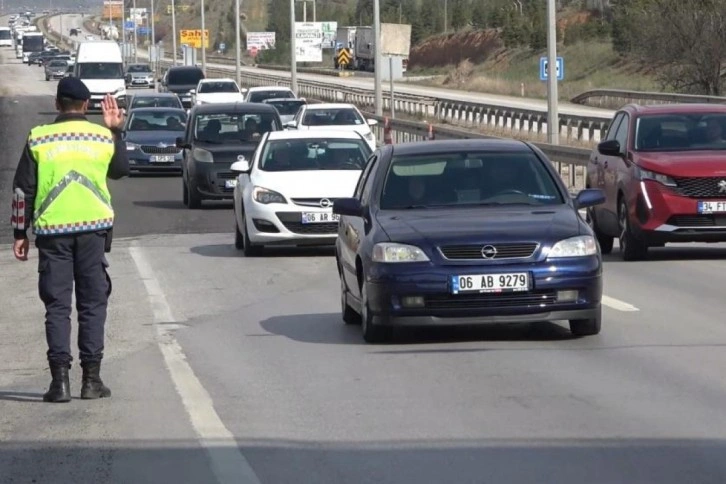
(210, 141)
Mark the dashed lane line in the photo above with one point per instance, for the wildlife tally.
(618, 305)
(227, 461)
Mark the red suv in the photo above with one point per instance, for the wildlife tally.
(663, 171)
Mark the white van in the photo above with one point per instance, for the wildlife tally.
(99, 65)
(6, 37)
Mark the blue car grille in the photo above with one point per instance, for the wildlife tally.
(533, 300)
(503, 251)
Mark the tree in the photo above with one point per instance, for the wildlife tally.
(684, 41)
(460, 14)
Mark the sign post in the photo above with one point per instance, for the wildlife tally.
(553, 121)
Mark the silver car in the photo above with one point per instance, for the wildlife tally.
(55, 69)
(139, 75)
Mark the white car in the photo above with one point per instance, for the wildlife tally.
(338, 117)
(260, 94)
(211, 91)
(285, 194)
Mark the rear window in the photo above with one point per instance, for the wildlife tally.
(218, 86)
(155, 102)
(259, 96)
(5, 35)
(471, 178)
(185, 76)
(287, 108)
(219, 128)
(681, 132)
(333, 117)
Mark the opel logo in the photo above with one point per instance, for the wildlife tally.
(488, 251)
(161, 145)
(722, 186)
(325, 203)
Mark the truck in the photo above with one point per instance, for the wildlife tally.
(32, 42)
(99, 64)
(395, 41)
(345, 39)
(109, 32)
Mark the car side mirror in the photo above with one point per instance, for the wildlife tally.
(610, 147)
(192, 91)
(290, 125)
(241, 166)
(589, 198)
(348, 206)
(371, 122)
(180, 143)
(243, 90)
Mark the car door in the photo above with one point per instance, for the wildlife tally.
(244, 180)
(615, 168)
(351, 228)
(187, 152)
(598, 178)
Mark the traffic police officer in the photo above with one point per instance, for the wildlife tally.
(60, 187)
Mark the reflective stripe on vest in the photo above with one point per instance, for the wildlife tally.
(73, 159)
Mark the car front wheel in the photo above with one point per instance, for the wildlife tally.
(586, 327)
(606, 242)
(250, 250)
(631, 248)
(372, 333)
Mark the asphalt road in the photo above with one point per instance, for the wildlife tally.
(70, 21)
(227, 369)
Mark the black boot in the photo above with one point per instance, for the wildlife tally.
(60, 387)
(93, 387)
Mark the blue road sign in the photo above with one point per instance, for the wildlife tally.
(144, 30)
(129, 25)
(560, 67)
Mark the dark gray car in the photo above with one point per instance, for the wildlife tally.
(55, 69)
(180, 80)
(150, 135)
(146, 99)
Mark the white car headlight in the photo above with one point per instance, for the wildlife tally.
(392, 252)
(202, 156)
(651, 175)
(265, 196)
(580, 246)
(131, 146)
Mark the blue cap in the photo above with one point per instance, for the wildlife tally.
(73, 88)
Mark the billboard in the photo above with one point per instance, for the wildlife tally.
(308, 42)
(260, 40)
(193, 38)
(113, 9)
(330, 32)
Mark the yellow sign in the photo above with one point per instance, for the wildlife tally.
(193, 38)
(344, 57)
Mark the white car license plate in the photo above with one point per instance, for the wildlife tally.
(319, 217)
(230, 183)
(513, 282)
(161, 158)
(711, 207)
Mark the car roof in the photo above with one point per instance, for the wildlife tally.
(239, 107)
(217, 79)
(676, 108)
(445, 146)
(154, 94)
(330, 106)
(295, 134)
(185, 68)
(269, 88)
(157, 109)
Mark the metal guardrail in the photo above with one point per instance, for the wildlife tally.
(618, 97)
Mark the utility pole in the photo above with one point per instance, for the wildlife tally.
(173, 31)
(204, 51)
(553, 122)
(446, 16)
(293, 53)
(152, 44)
(238, 43)
(377, 77)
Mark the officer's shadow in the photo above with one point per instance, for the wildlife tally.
(21, 397)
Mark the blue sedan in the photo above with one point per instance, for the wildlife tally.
(466, 232)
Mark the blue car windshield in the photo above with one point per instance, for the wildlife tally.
(466, 179)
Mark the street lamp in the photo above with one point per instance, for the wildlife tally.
(377, 71)
(293, 56)
(204, 51)
(553, 122)
(173, 31)
(136, 36)
(238, 43)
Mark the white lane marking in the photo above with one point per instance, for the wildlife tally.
(617, 304)
(227, 461)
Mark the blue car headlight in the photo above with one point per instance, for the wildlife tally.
(393, 252)
(580, 246)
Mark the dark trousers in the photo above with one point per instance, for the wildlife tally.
(65, 260)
